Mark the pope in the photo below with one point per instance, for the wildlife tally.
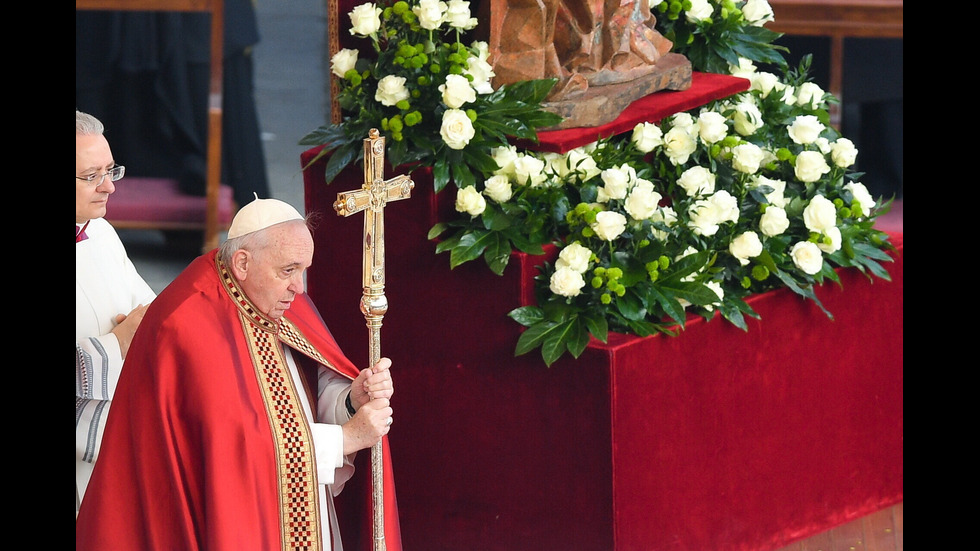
(242, 419)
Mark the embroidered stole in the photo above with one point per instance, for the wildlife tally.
(299, 503)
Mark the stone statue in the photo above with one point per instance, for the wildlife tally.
(604, 53)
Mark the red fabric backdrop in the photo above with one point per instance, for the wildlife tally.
(717, 439)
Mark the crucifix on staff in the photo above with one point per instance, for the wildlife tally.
(372, 198)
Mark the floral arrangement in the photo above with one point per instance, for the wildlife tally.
(688, 216)
(428, 92)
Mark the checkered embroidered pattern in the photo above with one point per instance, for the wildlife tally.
(298, 492)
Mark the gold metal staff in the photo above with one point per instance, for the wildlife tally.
(372, 198)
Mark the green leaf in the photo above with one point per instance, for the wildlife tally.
(470, 247)
(630, 307)
(806, 291)
(448, 244)
(526, 315)
(733, 315)
(341, 157)
(440, 175)
(497, 254)
(462, 176)
(555, 342)
(578, 337)
(436, 230)
(533, 337)
(531, 91)
(330, 136)
(598, 326)
(671, 306)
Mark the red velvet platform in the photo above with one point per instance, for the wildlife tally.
(705, 87)
(717, 439)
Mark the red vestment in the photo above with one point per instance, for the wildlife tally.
(193, 454)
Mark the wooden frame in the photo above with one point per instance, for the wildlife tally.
(211, 224)
(837, 20)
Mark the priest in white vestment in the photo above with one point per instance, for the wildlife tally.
(110, 296)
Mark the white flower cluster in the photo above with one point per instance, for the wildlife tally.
(710, 208)
(573, 261)
(457, 125)
(756, 12)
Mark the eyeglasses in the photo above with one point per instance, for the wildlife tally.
(114, 173)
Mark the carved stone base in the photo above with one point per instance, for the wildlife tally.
(602, 104)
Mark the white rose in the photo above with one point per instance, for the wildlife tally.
(609, 225)
(566, 282)
(810, 166)
(697, 180)
(726, 206)
(391, 90)
(668, 217)
(617, 182)
(482, 48)
(554, 163)
(823, 145)
(498, 188)
(578, 161)
(747, 118)
(704, 221)
(820, 214)
(431, 13)
(678, 145)
(835, 240)
(457, 129)
(843, 152)
(458, 15)
(765, 82)
(716, 287)
(470, 201)
(684, 120)
(809, 95)
(861, 195)
(775, 197)
(482, 72)
(457, 91)
(745, 68)
(747, 245)
(642, 202)
(529, 170)
(690, 277)
(343, 61)
(805, 129)
(712, 127)
(365, 19)
(504, 156)
(699, 10)
(807, 257)
(574, 257)
(747, 158)
(789, 95)
(757, 12)
(774, 221)
(707, 214)
(647, 136)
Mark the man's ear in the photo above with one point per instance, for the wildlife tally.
(239, 264)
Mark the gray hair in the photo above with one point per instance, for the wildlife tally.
(87, 125)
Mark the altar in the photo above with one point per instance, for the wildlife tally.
(715, 439)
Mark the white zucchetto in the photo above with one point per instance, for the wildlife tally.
(261, 214)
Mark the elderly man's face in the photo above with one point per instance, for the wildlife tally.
(272, 276)
(92, 156)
